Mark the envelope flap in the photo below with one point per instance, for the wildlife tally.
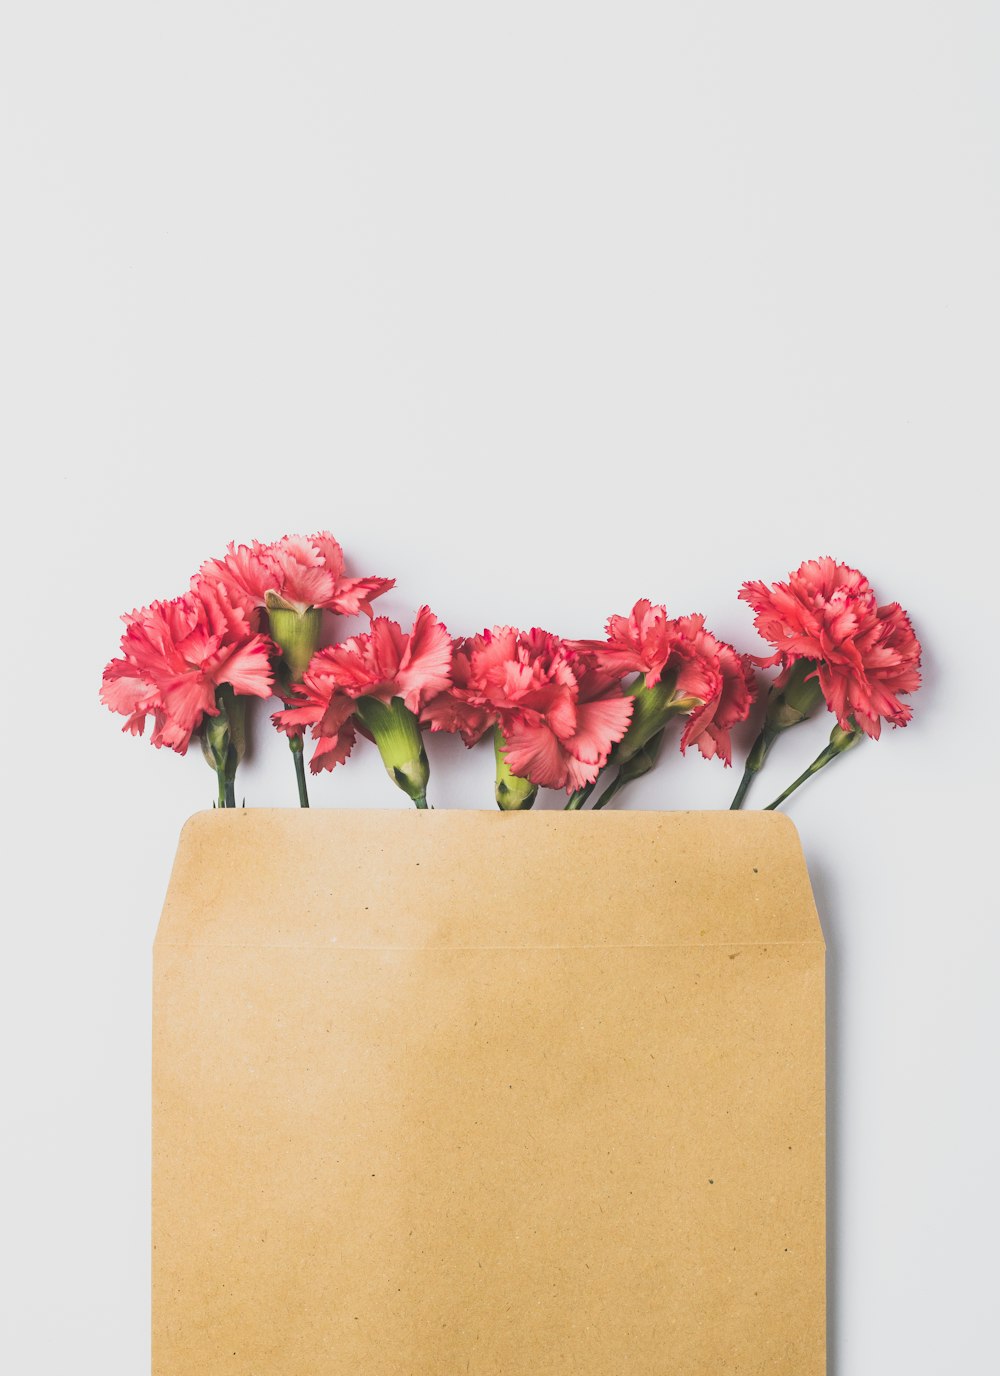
(333, 878)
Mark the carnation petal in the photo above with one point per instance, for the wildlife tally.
(333, 750)
(600, 725)
(425, 664)
(354, 596)
(533, 752)
(248, 669)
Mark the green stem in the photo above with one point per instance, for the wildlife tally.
(636, 763)
(578, 798)
(220, 774)
(840, 741)
(230, 790)
(823, 758)
(295, 745)
(420, 801)
(615, 786)
(741, 792)
(754, 764)
(787, 706)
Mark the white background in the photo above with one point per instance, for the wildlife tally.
(540, 308)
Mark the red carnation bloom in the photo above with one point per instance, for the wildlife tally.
(865, 655)
(639, 643)
(385, 663)
(685, 670)
(460, 708)
(175, 655)
(296, 572)
(558, 712)
(724, 681)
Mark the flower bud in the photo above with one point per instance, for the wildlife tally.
(841, 740)
(396, 732)
(513, 794)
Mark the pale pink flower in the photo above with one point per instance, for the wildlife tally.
(385, 663)
(174, 656)
(865, 655)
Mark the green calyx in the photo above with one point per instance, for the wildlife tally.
(797, 700)
(653, 708)
(841, 740)
(223, 741)
(638, 750)
(641, 761)
(786, 707)
(215, 741)
(296, 635)
(396, 732)
(513, 794)
(637, 764)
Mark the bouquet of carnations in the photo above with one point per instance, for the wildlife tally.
(582, 716)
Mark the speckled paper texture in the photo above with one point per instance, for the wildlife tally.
(440, 1093)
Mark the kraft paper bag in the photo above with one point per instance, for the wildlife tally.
(440, 1093)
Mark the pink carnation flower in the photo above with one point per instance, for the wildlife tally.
(639, 643)
(560, 715)
(710, 680)
(460, 708)
(865, 655)
(384, 663)
(296, 572)
(174, 656)
(721, 678)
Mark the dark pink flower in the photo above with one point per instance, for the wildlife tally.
(639, 643)
(865, 655)
(457, 709)
(384, 663)
(685, 670)
(710, 725)
(294, 573)
(559, 714)
(175, 655)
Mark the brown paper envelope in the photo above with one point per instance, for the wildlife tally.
(462, 1092)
